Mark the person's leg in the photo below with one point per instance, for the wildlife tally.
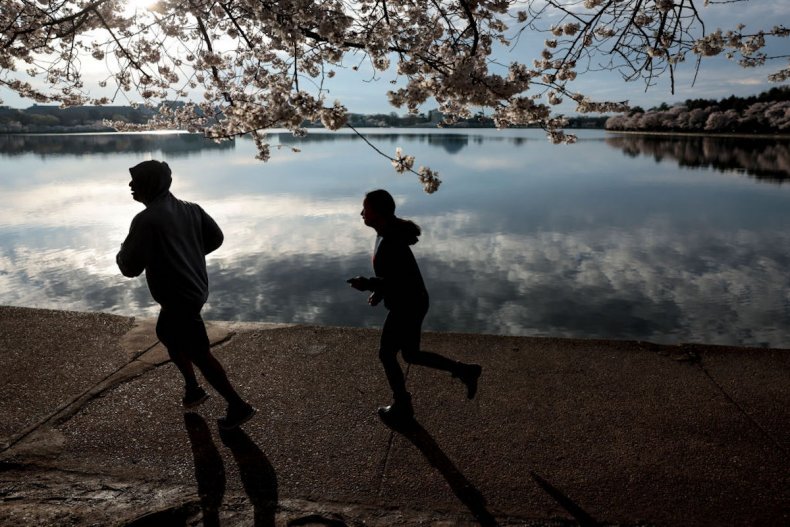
(401, 408)
(168, 330)
(410, 334)
(215, 374)
(430, 359)
(200, 354)
(388, 355)
(239, 411)
(412, 354)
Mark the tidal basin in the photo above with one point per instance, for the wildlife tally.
(659, 238)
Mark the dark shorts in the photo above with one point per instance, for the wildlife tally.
(183, 331)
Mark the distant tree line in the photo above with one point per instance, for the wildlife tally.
(434, 118)
(53, 119)
(36, 119)
(768, 112)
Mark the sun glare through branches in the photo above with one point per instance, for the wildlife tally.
(133, 6)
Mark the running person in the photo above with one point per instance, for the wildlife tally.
(398, 282)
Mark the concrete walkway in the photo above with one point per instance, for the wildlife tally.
(562, 432)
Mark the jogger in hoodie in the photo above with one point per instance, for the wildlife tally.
(169, 240)
(398, 282)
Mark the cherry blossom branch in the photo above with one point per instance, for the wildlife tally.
(402, 163)
(121, 47)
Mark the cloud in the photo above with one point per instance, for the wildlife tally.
(747, 82)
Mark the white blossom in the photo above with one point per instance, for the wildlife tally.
(642, 19)
(664, 5)
(334, 118)
(710, 45)
(402, 163)
(429, 179)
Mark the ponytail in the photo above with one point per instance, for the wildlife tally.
(404, 225)
(383, 203)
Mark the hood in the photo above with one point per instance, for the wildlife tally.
(150, 179)
(405, 230)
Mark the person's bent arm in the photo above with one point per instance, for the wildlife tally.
(132, 257)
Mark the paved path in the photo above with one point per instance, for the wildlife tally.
(562, 432)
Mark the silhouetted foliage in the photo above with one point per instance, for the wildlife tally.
(72, 119)
(768, 112)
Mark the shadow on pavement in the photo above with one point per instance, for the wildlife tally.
(565, 502)
(469, 495)
(209, 468)
(257, 475)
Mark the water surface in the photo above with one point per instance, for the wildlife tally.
(618, 236)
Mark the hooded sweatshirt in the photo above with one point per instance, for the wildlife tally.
(398, 278)
(169, 241)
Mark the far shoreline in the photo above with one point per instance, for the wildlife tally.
(731, 135)
(416, 129)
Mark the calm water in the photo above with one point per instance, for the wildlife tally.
(628, 237)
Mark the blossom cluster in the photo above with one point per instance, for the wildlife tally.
(429, 179)
(402, 163)
(749, 47)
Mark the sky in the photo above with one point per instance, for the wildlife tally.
(717, 78)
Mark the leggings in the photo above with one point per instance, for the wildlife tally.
(401, 332)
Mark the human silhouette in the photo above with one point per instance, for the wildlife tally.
(209, 468)
(398, 282)
(257, 475)
(169, 240)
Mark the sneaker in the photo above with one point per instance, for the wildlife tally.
(469, 374)
(400, 410)
(194, 397)
(236, 416)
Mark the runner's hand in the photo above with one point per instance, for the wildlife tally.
(359, 283)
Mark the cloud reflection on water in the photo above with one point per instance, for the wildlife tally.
(649, 285)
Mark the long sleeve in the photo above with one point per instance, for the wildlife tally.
(133, 256)
(398, 279)
(376, 284)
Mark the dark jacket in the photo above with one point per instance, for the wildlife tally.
(398, 279)
(169, 240)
